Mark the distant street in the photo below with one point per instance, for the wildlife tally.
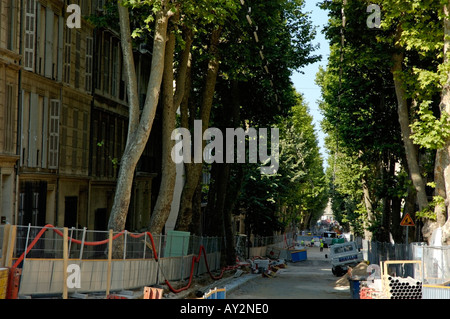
(309, 279)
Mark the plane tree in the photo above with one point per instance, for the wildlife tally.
(159, 22)
(409, 54)
(253, 87)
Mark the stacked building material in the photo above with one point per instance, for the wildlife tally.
(404, 288)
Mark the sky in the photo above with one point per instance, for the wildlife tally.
(305, 83)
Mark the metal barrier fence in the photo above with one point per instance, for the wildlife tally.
(375, 252)
(246, 249)
(435, 259)
(59, 260)
(91, 244)
(64, 261)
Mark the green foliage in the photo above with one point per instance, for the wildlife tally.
(428, 131)
(114, 160)
(429, 211)
(299, 190)
(359, 102)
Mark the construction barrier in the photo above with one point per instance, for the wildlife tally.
(298, 255)
(435, 292)
(52, 261)
(215, 294)
(34, 276)
(153, 293)
(197, 260)
(13, 283)
(4, 274)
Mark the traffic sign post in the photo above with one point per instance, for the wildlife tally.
(407, 221)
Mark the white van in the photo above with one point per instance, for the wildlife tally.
(343, 256)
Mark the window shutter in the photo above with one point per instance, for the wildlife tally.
(67, 55)
(45, 134)
(54, 133)
(88, 67)
(49, 18)
(33, 133)
(60, 49)
(30, 35)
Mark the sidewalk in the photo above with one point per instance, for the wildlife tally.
(229, 283)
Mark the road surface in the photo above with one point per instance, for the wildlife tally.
(308, 279)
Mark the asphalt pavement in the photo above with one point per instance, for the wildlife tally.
(308, 279)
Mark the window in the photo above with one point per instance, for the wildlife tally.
(95, 148)
(85, 150)
(98, 64)
(51, 29)
(10, 16)
(55, 48)
(111, 141)
(100, 4)
(54, 133)
(67, 55)
(122, 91)
(63, 136)
(86, 7)
(9, 119)
(115, 70)
(40, 39)
(75, 139)
(106, 61)
(30, 34)
(89, 59)
(34, 130)
(77, 59)
(25, 119)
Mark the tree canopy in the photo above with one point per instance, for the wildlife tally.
(383, 105)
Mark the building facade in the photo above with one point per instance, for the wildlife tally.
(64, 118)
(10, 60)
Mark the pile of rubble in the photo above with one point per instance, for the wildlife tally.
(266, 267)
(359, 272)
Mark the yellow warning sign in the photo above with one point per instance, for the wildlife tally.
(407, 221)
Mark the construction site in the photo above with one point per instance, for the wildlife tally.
(62, 263)
(118, 182)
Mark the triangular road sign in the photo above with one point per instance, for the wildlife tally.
(407, 221)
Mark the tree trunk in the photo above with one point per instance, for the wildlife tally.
(194, 170)
(211, 224)
(196, 226)
(170, 105)
(410, 149)
(137, 135)
(368, 204)
(444, 214)
(441, 179)
(387, 170)
(230, 255)
(396, 219)
(232, 193)
(403, 118)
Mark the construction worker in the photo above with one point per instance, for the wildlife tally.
(321, 245)
(312, 242)
(302, 243)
